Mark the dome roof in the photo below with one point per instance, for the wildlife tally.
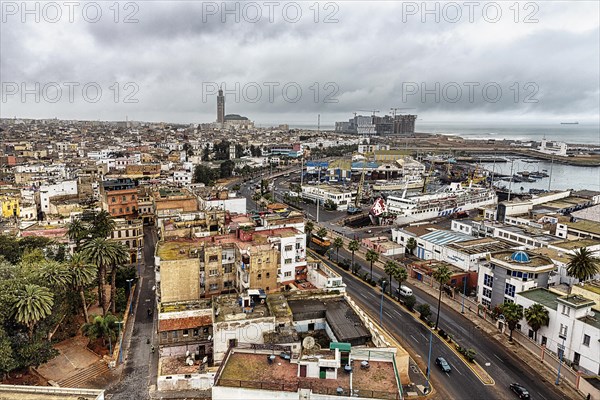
(520, 257)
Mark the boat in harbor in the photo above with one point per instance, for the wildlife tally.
(450, 200)
(395, 185)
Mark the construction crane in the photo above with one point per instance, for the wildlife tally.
(394, 109)
(373, 112)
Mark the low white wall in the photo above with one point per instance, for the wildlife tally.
(180, 382)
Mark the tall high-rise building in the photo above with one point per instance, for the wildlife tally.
(221, 107)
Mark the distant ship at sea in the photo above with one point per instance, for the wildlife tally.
(570, 123)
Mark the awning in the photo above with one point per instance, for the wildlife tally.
(340, 345)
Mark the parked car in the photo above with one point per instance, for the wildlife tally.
(519, 391)
(444, 366)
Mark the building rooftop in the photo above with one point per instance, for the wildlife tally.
(576, 244)
(478, 246)
(229, 308)
(531, 260)
(585, 226)
(542, 296)
(576, 301)
(22, 392)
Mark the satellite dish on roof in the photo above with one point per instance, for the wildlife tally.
(591, 314)
(308, 342)
(205, 360)
(189, 361)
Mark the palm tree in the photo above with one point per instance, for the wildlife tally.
(54, 274)
(372, 256)
(308, 228)
(442, 274)
(102, 328)
(32, 304)
(352, 247)
(513, 313)
(121, 257)
(338, 242)
(583, 265)
(390, 269)
(101, 252)
(82, 275)
(322, 233)
(101, 223)
(537, 316)
(77, 231)
(401, 275)
(411, 245)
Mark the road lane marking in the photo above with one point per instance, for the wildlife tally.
(457, 370)
(398, 312)
(499, 358)
(362, 295)
(414, 338)
(388, 314)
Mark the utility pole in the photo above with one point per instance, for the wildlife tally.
(550, 177)
(318, 200)
(511, 178)
(429, 361)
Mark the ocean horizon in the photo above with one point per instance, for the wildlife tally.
(582, 133)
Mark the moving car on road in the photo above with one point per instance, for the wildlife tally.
(444, 366)
(520, 391)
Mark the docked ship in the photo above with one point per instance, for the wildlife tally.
(452, 199)
(396, 185)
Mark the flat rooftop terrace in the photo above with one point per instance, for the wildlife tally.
(542, 296)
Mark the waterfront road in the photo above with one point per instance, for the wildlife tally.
(462, 383)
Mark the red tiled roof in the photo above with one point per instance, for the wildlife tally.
(176, 324)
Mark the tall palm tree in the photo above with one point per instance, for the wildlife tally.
(82, 275)
(352, 247)
(121, 257)
(442, 274)
(309, 226)
(101, 223)
(77, 231)
(372, 256)
(322, 233)
(401, 275)
(411, 245)
(390, 269)
(32, 304)
(103, 253)
(54, 274)
(583, 265)
(338, 242)
(537, 316)
(513, 313)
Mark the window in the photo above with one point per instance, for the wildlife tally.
(214, 286)
(487, 293)
(114, 200)
(563, 331)
(133, 197)
(174, 334)
(566, 310)
(213, 272)
(488, 280)
(124, 198)
(186, 333)
(259, 276)
(227, 285)
(213, 258)
(288, 260)
(163, 335)
(289, 247)
(287, 274)
(586, 340)
(509, 290)
(486, 302)
(228, 269)
(268, 275)
(195, 332)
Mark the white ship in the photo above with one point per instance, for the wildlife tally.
(453, 199)
(383, 185)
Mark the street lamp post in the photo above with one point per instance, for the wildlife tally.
(464, 294)
(562, 354)
(429, 359)
(383, 283)
(130, 296)
(120, 343)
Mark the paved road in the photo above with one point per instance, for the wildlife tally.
(504, 367)
(139, 371)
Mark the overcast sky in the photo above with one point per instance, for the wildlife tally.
(367, 56)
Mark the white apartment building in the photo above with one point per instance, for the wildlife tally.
(292, 248)
(182, 177)
(59, 189)
(321, 193)
(573, 327)
(507, 273)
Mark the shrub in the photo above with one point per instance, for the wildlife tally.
(424, 309)
(373, 282)
(410, 302)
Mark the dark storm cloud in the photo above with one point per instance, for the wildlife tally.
(367, 60)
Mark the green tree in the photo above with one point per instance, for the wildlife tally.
(352, 247)
(77, 230)
(121, 256)
(103, 253)
(338, 243)
(82, 275)
(441, 275)
(204, 174)
(410, 302)
(537, 316)
(32, 304)
(100, 223)
(102, 327)
(582, 265)
(513, 313)
(226, 169)
(411, 245)
(54, 274)
(424, 310)
(400, 275)
(7, 357)
(372, 256)
(309, 227)
(322, 233)
(390, 269)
